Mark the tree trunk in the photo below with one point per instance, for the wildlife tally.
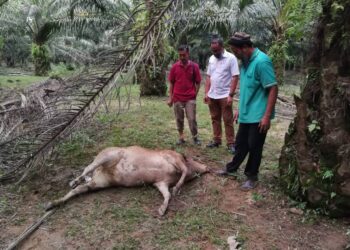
(41, 59)
(152, 80)
(151, 74)
(278, 54)
(314, 163)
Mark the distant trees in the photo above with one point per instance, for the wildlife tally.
(37, 19)
(50, 27)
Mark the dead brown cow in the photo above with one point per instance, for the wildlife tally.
(135, 166)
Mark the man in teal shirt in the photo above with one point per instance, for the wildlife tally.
(258, 94)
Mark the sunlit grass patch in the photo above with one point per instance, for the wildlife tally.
(195, 224)
(19, 81)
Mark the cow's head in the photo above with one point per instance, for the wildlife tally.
(196, 166)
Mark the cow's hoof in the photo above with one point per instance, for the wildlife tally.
(161, 211)
(175, 191)
(73, 184)
(49, 206)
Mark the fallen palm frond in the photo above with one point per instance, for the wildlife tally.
(29, 230)
(29, 133)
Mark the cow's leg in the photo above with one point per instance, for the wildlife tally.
(184, 172)
(164, 189)
(89, 169)
(92, 185)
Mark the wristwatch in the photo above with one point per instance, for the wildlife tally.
(231, 94)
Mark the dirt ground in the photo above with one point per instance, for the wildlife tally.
(262, 219)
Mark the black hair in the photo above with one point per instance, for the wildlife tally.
(217, 39)
(183, 47)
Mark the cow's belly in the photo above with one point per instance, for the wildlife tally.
(131, 174)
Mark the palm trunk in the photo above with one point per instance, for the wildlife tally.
(151, 75)
(314, 163)
(41, 59)
(278, 54)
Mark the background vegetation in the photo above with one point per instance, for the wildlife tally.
(69, 68)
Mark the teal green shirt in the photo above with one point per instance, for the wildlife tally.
(255, 79)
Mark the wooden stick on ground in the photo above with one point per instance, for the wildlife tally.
(29, 230)
(240, 214)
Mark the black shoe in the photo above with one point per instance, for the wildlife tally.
(213, 144)
(196, 141)
(231, 148)
(180, 142)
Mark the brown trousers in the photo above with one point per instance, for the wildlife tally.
(189, 107)
(219, 109)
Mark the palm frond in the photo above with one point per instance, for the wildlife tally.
(2, 2)
(30, 132)
(229, 16)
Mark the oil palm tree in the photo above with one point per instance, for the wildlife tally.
(151, 73)
(44, 20)
(273, 24)
(314, 162)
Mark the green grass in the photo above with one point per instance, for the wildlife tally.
(8, 79)
(151, 125)
(19, 81)
(199, 223)
(61, 70)
(127, 223)
(125, 217)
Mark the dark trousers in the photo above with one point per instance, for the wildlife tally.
(248, 140)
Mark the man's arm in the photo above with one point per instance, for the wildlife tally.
(206, 89)
(271, 101)
(198, 79)
(171, 93)
(198, 86)
(171, 79)
(233, 87)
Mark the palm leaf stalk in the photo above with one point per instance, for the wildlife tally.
(76, 100)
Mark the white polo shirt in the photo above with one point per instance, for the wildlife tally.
(221, 72)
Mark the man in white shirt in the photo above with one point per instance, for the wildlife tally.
(221, 83)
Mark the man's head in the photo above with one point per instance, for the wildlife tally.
(217, 47)
(184, 53)
(241, 46)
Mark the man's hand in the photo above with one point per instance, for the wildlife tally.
(170, 102)
(264, 124)
(206, 99)
(235, 116)
(229, 101)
